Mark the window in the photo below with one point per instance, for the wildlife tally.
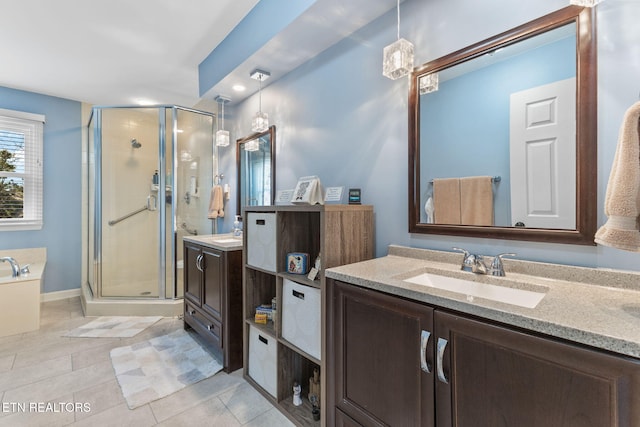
(20, 170)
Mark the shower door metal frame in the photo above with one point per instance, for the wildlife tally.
(96, 114)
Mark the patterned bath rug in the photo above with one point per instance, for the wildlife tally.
(113, 327)
(156, 368)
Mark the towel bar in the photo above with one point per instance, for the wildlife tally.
(496, 178)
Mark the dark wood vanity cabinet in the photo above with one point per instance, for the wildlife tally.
(377, 359)
(213, 299)
(480, 374)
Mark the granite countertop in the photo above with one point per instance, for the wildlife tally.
(596, 307)
(222, 242)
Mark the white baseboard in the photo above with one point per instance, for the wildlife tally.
(54, 296)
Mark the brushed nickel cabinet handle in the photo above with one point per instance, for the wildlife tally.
(424, 341)
(442, 345)
(199, 263)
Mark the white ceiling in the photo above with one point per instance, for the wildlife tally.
(127, 52)
(115, 52)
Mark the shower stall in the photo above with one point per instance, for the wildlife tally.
(150, 171)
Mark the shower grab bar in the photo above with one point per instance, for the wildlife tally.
(129, 215)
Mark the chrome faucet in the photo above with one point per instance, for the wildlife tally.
(15, 268)
(497, 268)
(470, 262)
(476, 263)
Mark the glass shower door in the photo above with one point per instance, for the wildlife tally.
(130, 200)
(193, 160)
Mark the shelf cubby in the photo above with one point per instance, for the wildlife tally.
(260, 289)
(341, 234)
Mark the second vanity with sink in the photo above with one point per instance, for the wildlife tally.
(413, 340)
(213, 293)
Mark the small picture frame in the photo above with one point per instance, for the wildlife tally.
(297, 263)
(308, 191)
(354, 196)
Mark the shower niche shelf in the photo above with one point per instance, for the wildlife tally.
(341, 234)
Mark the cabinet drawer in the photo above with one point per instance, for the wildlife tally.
(262, 360)
(261, 240)
(301, 316)
(209, 328)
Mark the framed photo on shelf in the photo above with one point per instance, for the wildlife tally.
(308, 191)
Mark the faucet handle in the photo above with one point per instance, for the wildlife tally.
(469, 261)
(497, 268)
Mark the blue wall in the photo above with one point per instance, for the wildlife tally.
(61, 233)
(479, 128)
(337, 116)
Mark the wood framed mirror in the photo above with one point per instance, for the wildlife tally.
(256, 166)
(483, 117)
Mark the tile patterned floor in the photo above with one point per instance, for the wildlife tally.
(43, 373)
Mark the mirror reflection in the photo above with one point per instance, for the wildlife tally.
(509, 115)
(255, 163)
(502, 135)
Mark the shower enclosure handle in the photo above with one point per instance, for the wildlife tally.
(129, 215)
(152, 202)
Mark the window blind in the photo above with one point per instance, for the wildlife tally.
(21, 177)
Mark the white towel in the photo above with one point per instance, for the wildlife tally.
(622, 201)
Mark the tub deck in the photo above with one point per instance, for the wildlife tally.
(20, 296)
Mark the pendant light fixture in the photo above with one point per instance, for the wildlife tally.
(429, 83)
(586, 3)
(253, 145)
(260, 121)
(397, 58)
(222, 136)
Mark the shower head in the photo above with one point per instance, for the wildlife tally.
(135, 143)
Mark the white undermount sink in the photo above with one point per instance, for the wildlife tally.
(506, 294)
(227, 240)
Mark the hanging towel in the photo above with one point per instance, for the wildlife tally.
(476, 200)
(622, 201)
(216, 203)
(446, 200)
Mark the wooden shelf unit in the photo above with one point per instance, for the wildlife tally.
(342, 234)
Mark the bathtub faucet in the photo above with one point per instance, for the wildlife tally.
(15, 268)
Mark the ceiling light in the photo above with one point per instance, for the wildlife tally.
(222, 136)
(144, 102)
(260, 122)
(586, 3)
(397, 58)
(239, 88)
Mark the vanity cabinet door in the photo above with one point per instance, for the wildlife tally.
(380, 343)
(192, 276)
(500, 377)
(213, 289)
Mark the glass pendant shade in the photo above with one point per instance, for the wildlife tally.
(222, 138)
(253, 145)
(586, 3)
(429, 83)
(260, 123)
(397, 59)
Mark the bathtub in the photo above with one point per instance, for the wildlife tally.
(20, 296)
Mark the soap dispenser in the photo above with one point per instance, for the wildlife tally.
(237, 226)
